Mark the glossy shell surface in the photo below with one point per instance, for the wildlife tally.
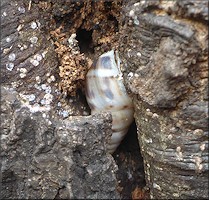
(105, 91)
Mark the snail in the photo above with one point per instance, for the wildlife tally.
(105, 91)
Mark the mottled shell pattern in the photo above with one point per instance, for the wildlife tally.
(105, 91)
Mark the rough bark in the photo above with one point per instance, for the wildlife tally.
(163, 48)
(164, 53)
(43, 157)
(44, 152)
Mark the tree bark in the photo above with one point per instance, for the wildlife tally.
(48, 158)
(44, 152)
(165, 55)
(48, 153)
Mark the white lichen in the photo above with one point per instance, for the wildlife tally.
(136, 75)
(44, 53)
(51, 79)
(43, 86)
(8, 39)
(138, 54)
(202, 147)
(131, 13)
(23, 70)
(21, 9)
(143, 2)
(148, 112)
(27, 97)
(155, 115)
(156, 186)
(12, 57)
(33, 25)
(47, 99)
(38, 57)
(63, 113)
(46, 88)
(37, 108)
(38, 79)
(170, 136)
(198, 131)
(33, 40)
(22, 46)
(198, 160)
(34, 62)
(178, 149)
(175, 194)
(14, 84)
(4, 14)
(130, 74)
(38, 87)
(136, 21)
(31, 97)
(136, 4)
(148, 141)
(22, 75)
(10, 66)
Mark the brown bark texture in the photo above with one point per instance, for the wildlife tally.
(164, 51)
(45, 158)
(47, 151)
(44, 154)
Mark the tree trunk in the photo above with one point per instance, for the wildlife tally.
(46, 50)
(44, 154)
(165, 55)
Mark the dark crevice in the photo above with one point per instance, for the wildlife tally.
(112, 18)
(84, 38)
(130, 163)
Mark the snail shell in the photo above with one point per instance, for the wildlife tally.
(105, 91)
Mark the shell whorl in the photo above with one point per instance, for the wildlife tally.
(105, 91)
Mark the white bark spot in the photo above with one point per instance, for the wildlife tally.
(12, 57)
(10, 66)
(33, 25)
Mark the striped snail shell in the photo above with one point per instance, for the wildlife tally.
(105, 91)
